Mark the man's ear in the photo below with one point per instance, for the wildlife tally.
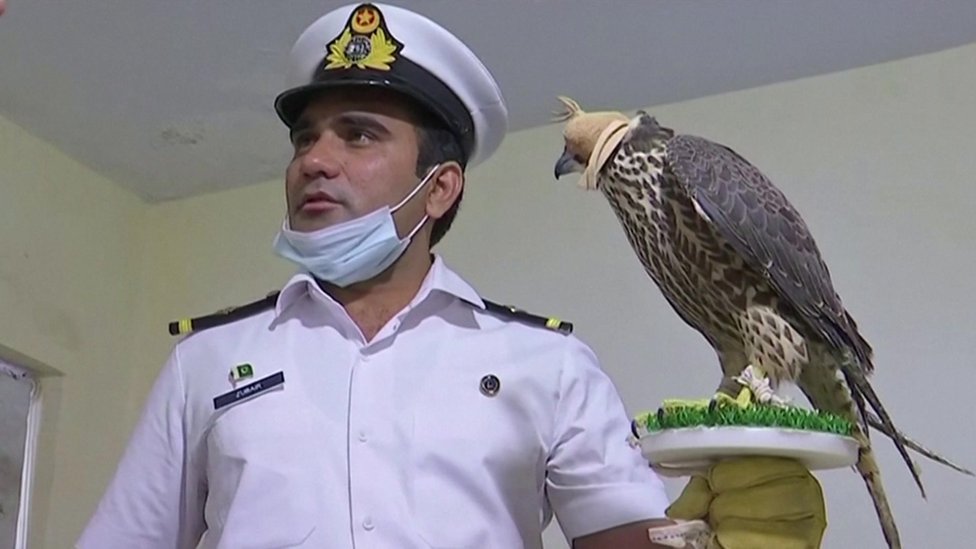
(445, 187)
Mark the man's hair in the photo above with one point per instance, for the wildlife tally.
(435, 145)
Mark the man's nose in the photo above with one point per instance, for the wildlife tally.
(322, 158)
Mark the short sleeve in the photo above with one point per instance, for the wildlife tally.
(595, 479)
(144, 504)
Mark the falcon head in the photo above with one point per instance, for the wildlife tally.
(589, 138)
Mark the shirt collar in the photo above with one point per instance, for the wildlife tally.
(440, 279)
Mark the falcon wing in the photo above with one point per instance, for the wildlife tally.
(764, 228)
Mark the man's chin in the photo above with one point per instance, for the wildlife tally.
(306, 223)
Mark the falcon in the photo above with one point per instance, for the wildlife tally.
(738, 264)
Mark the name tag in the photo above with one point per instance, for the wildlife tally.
(249, 390)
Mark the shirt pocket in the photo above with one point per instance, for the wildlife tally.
(264, 457)
(472, 453)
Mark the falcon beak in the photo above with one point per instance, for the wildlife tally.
(566, 164)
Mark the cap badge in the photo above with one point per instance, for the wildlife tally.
(365, 42)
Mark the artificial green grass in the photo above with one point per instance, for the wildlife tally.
(757, 415)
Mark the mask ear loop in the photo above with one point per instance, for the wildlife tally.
(415, 190)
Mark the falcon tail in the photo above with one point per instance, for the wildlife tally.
(874, 422)
(860, 386)
(840, 386)
(867, 466)
(830, 386)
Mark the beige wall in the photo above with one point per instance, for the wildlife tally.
(69, 248)
(879, 161)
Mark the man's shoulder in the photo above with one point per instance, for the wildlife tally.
(539, 333)
(222, 317)
(211, 345)
(511, 313)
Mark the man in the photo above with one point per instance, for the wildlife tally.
(377, 400)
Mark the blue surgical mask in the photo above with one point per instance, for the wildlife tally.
(351, 251)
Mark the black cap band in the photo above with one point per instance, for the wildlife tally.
(404, 76)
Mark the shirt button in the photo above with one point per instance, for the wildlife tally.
(362, 436)
(368, 524)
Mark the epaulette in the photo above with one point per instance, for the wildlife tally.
(223, 316)
(550, 323)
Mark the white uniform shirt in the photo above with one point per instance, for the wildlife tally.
(387, 443)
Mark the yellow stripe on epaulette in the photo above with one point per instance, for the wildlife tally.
(186, 326)
(224, 316)
(550, 323)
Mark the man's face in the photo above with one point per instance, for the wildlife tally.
(355, 150)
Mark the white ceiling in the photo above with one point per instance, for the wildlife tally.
(173, 98)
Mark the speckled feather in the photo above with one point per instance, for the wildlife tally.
(767, 231)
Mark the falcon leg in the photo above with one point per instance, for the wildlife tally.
(743, 390)
(742, 400)
(729, 388)
(757, 384)
(730, 393)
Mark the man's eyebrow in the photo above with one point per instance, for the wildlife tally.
(348, 120)
(362, 121)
